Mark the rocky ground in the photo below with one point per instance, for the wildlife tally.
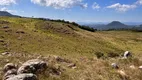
(33, 67)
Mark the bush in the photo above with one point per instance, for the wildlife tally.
(88, 28)
(112, 55)
(99, 54)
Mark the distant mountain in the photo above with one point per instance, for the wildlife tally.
(5, 13)
(112, 25)
(138, 28)
(117, 25)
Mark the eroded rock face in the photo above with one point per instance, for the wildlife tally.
(32, 66)
(25, 72)
(23, 77)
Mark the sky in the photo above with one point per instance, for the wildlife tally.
(77, 10)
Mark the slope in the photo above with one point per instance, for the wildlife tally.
(29, 36)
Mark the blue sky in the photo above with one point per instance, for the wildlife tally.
(77, 10)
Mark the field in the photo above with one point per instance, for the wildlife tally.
(29, 38)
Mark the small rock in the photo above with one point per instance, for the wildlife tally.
(115, 66)
(72, 65)
(1, 40)
(9, 66)
(132, 67)
(20, 31)
(140, 67)
(5, 27)
(5, 53)
(60, 59)
(32, 66)
(7, 60)
(126, 54)
(23, 77)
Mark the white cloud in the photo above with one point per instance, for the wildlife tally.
(122, 7)
(139, 2)
(60, 4)
(84, 5)
(6, 9)
(7, 2)
(95, 6)
(125, 7)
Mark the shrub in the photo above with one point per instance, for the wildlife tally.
(88, 28)
(99, 54)
(112, 54)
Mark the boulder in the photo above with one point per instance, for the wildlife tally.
(23, 77)
(9, 66)
(10, 73)
(126, 54)
(32, 66)
(115, 66)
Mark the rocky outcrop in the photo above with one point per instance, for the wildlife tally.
(25, 72)
(32, 66)
(9, 66)
(23, 77)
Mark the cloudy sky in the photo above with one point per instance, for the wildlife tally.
(77, 10)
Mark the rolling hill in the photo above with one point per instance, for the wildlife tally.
(113, 25)
(5, 13)
(30, 38)
(116, 25)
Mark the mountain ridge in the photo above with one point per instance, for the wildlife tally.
(5, 13)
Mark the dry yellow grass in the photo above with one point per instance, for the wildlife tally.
(53, 38)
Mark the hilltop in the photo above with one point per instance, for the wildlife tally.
(114, 25)
(61, 43)
(5, 13)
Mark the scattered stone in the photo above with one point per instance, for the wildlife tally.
(126, 54)
(5, 53)
(72, 65)
(1, 40)
(5, 27)
(115, 66)
(7, 60)
(32, 66)
(9, 66)
(140, 67)
(132, 67)
(59, 59)
(20, 31)
(8, 30)
(23, 77)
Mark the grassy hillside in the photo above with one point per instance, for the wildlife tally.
(28, 38)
